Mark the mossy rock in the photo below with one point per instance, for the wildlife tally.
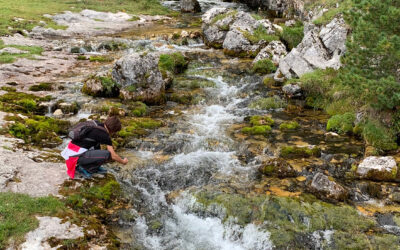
(14, 101)
(258, 120)
(241, 53)
(257, 130)
(175, 63)
(267, 103)
(299, 152)
(277, 168)
(44, 86)
(288, 126)
(101, 85)
(137, 108)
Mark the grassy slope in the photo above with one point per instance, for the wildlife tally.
(32, 11)
(17, 214)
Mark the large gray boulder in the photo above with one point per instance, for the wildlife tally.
(320, 48)
(101, 85)
(233, 31)
(323, 187)
(378, 168)
(190, 6)
(274, 51)
(139, 77)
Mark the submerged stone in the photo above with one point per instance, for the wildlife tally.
(277, 167)
(322, 186)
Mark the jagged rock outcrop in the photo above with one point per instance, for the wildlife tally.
(190, 6)
(328, 189)
(139, 77)
(234, 31)
(378, 168)
(274, 51)
(320, 48)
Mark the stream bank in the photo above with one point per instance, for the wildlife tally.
(228, 162)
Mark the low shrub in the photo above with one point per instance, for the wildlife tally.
(264, 66)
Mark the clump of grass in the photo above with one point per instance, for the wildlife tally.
(17, 215)
(44, 86)
(138, 108)
(264, 66)
(258, 120)
(378, 136)
(292, 36)
(223, 16)
(274, 102)
(341, 123)
(293, 125)
(260, 33)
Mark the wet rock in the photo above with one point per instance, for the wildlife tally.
(190, 6)
(292, 90)
(378, 168)
(278, 168)
(396, 197)
(323, 187)
(331, 136)
(139, 77)
(274, 51)
(319, 49)
(58, 113)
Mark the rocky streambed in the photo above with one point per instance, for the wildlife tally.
(222, 156)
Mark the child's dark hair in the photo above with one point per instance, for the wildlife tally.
(113, 124)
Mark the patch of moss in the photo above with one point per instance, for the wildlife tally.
(269, 81)
(299, 152)
(138, 108)
(257, 130)
(293, 125)
(224, 15)
(258, 120)
(274, 102)
(341, 123)
(39, 130)
(14, 101)
(112, 46)
(193, 83)
(137, 127)
(44, 86)
(81, 57)
(264, 66)
(175, 63)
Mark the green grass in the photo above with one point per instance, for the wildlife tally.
(17, 215)
(274, 102)
(32, 10)
(264, 66)
(292, 36)
(10, 58)
(341, 123)
(260, 33)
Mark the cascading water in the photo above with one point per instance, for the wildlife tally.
(208, 157)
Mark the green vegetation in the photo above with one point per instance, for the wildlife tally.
(333, 11)
(113, 46)
(260, 33)
(369, 81)
(138, 108)
(292, 36)
(100, 59)
(299, 152)
(14, 101)
(274, 102)
(257, 130)
(285, 219)
(17, 215)
(44, 86)
(81, 57)
(32, 11)
(30, 51)
(192, 83)
(39, 130)
(264, 66)
(109, 87)
(175, 63)
(258, 120)
(137, 126)
(341, 123)
(285, 126)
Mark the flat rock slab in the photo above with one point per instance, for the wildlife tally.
(50, 227)
(92, 23)
(20, 174)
